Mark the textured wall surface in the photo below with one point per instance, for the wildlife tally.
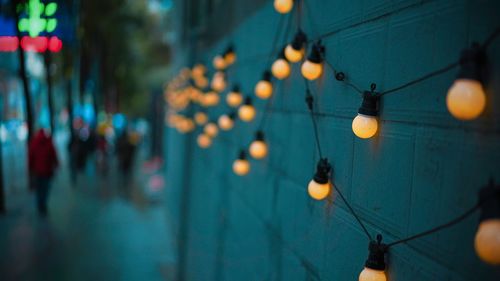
(423, 168)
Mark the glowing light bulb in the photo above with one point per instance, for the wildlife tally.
(204, 141)
(211, 99)
(198, 71)
(375, 264)
(219, 62)
(369, 274)
(312, 68)
(200, 118)
(295, 51)
(466, 99)
(211, 130)
(258, 148)
(241, 166)
(365, 125)
(226, 122)
(229, 55)
(234, 98)
(283, 6)
(246, 112)
(264, 88)
(186, 125)
(218, 82)
(201, 82)
(293, 55)
(280, 69)
(320, 186)
(487, 240)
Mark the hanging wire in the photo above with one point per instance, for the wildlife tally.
(351, 210)
(491, 38)
(451, 223)
(310, 105)
(340, 76)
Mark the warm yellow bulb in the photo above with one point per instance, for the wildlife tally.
(219, 62)
(234, 99)
(241, 167)
(293, 55)
(230, 58)
(185, 125)
(369, 274)
(200, 118)
(364, 126)
(283, 6)
(211, 130)
(201, 82)
(264, 89)
(198, 71)
(466, 99)
(246, 112)
(204, 141)
(225, 122)
(218, 82)
(318, 191)
(487, 242)
(311, 70)
(211, 99)
(280, 69)
(258, 149)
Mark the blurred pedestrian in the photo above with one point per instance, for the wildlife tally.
(42, 160)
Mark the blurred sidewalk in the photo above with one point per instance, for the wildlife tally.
(102, 228)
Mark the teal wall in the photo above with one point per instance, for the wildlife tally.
(422, 169)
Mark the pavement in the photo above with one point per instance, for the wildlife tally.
(101, 228)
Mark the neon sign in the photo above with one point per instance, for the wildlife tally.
(40, 18)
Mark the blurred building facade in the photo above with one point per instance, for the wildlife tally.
(422, 169)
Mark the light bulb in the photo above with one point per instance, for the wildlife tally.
(280, 69)
(364, 126)
(293, 55)
(234, 98)
(211, 130)
(466, 99)
(311, 70)
(201, 82)
(226, 123)
(318, 191)
(200, 118)
(219, 62)
(218, 82)
(198, 71)
(283, 6)
(204, 141)
(186, 125)
(241, 166)
(258, 148)
(369, 274)
(246, 112)
(264, 88)
(211, 99)
(487, 241)
(320, 186)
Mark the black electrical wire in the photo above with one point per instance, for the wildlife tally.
(491, 38)
(310, 105)
(342, 78)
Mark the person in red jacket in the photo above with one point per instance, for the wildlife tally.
(42, 165)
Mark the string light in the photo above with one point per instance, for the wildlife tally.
(264, 88)
(234, 98)
(375, 264)
(204, 141)
(226, 121)
(185, 125)
(283, 6)
(246, 112)
(201, 82)
(211, 129)
(466, 99)
(320, 186)
(312, 68)
(258, 148)
(487, 240)
(219, 62)
(211, 98)
(294, 52)
(218, 82)
(229, 55)
(281, 67)
(241, 166)
(198, 71)
(201, 118)
(365, 125)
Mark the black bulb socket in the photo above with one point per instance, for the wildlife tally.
(236, 88)
(266, 76)
(248, 101)
(489, 200)
(376, 254)
(323, 169)
(299, 40)
(370, 105)
(281, 54)
(316, 54)
(232, 115)
(259, 136)
(229, 50)
(473, 63)
(242, 155)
